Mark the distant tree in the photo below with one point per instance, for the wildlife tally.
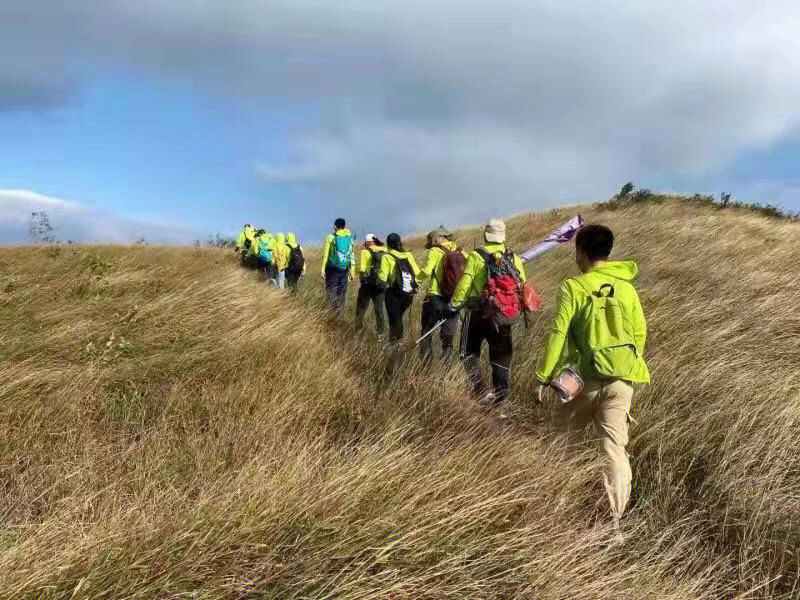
(724, 199)
(625, 190)
(41, 230)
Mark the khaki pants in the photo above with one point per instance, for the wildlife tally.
(608, 404)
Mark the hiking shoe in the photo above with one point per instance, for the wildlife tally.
(488, 400)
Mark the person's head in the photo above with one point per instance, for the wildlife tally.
(592, 246)
(394, 242)
(495, 232)
(280, 238)
(370, 241)
(438, 236)
(339, 224)
(246, 225)
(261, 232)
(291, 238)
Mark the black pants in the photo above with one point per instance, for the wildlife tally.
(292, 280)
(479, 328)
(434, 309)
(336, 283)
(370, 293)
(397, 304)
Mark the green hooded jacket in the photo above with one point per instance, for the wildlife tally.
(563, 346)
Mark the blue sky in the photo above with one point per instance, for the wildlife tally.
(175, 120)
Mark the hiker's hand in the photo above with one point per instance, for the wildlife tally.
(352, 277)
(322, 275)
(541, 389)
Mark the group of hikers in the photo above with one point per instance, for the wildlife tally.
(278, 256)
(594, 352)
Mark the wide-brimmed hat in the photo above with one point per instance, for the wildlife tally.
(495, 231)
(440, 231)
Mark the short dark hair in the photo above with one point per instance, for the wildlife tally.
(595, 241)
(339, 223)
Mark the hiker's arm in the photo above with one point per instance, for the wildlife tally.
(464, 284)
(326, 254)
(639, 324)
(565, 310)
(430, 265)
(364, 266)
(521, 268)
(383, 272)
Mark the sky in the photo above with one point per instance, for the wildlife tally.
(175, 120)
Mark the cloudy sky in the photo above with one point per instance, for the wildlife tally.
(175, 119)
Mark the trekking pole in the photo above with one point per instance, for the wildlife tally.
(433, 330)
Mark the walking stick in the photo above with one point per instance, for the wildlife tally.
(433, 329)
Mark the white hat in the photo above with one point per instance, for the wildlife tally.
(370, 237)
(495, 231)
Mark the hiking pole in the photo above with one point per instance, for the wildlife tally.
(433, 329)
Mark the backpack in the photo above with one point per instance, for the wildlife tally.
(296, 261)
(376, 257)
(342, 255)
(406, 282)
(608, 337)
(501, 296)
(247, 243)
(452, 270)
(265, 254)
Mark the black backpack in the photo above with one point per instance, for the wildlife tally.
(296, 261)
(406, 282)
(372, 276)
(247, 243)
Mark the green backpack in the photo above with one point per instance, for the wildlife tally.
(608, 334)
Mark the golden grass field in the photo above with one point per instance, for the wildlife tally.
(171, 428)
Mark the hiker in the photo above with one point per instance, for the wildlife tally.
(397, 276)
(444, 268)
(266, 250)
(243, 240)
(281, 261)
(338, 264)
(370, 291)
(250, 256)
(489, 290)
(296, 264)
(599, 333)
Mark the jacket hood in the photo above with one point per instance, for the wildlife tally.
(619, 269)
(291, 238)
(280, 238)
(343, 232)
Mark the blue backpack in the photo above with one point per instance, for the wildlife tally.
(265, 254)
(342, 252)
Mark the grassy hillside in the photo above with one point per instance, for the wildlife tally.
(170, 428)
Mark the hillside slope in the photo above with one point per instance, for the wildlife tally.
(171, 428)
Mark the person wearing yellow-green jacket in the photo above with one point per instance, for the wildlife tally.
(478, 326)
(369, 291)
(338, 264)
(435, 304)
(244, 239)
(266, 251)
(251, 255)
(281, 260)
(397, 275)
(296, 266)
(599, 331)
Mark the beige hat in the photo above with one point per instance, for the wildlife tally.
(495, 231)
(440, 231)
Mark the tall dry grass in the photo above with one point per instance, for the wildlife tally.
(170, 428)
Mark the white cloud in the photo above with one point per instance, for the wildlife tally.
(79, 222)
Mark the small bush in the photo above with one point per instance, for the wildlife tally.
(98, 263)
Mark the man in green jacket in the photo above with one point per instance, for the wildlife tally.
(370, 291)
(478, 327)
(435, 305)
(599, 331)
(338, 264)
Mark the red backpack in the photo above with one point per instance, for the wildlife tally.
(503, 292)
(454, 263)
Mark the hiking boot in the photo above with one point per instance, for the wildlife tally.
(488, 400)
